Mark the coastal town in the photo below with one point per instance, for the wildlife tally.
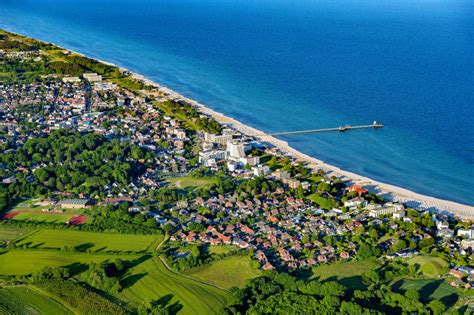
(216, 185)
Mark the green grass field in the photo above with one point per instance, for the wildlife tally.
(430, 289)
(128, 83)
(232, 271)
(151, 281)
(430, 266)
(348, 273)
(90, 240)
(221, 249)
(23, 262)
(8, 233)
(44, 217)
(192, 182)
(29, 300)
(57, 55)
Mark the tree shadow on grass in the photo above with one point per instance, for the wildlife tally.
(174, 308)
(450, 300)
(76, 268)
(428, 289)
(135, 262)
(397, 287)
(165, 301)
(100, 249)
(26, 244)
(37, 245)
(304, 274)
(84, 247)
(130, 280)
(353, 283)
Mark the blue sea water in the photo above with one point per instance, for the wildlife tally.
(283, 65)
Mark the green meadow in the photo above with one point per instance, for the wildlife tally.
(91, 241)
(9, 233)
(152, 281)
(44, 217)
(430, 266)
(348, 273)
(24, 262)
(192, 182)
(232, 271)
(431, 289)
(222, 249)
(29, 300)
(146, 280)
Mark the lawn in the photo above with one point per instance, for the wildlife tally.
(128, 83)
(151, 281)
(91, 241)
(430, 266)
(192, 182)
(44, 217)
(430, 289)
(28, 300)
(57, 55)
(221, 249)
(8, 233)
(348, 273)
(232, 271)
(23, 262)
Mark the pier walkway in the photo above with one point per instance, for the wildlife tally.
(340, 129)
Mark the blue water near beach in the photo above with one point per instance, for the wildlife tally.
(283, 65)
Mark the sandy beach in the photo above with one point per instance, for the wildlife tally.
(391, 192)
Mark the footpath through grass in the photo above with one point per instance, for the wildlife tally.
(92, 241)
(232, 271)
(151, 281)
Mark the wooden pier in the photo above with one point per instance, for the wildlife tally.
(375, 125)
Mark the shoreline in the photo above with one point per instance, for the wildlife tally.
(391, 192)
(394, 193)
